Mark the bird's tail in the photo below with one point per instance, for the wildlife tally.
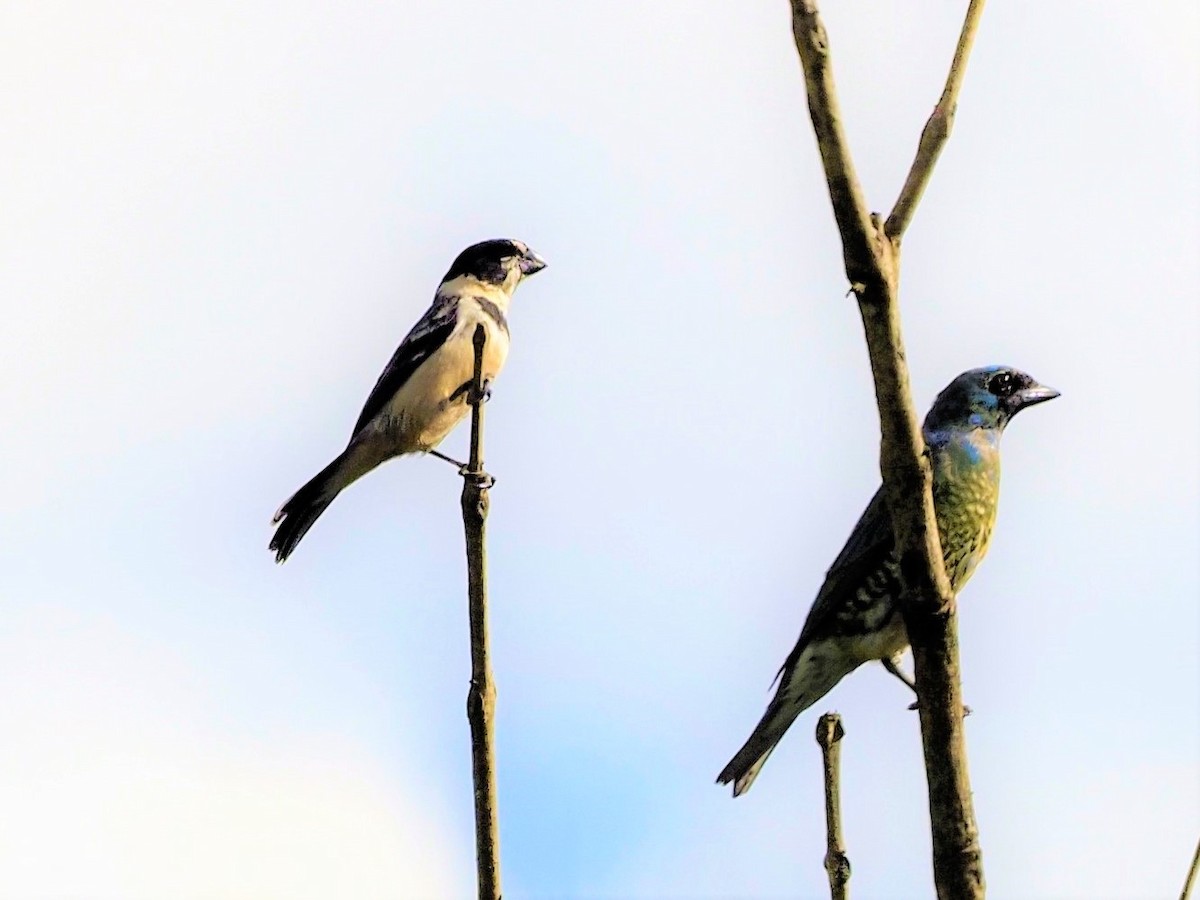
(802, 683)
(746, 763)
(303, 508)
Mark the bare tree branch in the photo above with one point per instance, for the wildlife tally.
(936, 131)
(1190, 882)
(957, 854)
(481, 698)
(837, 864)
(849, 204)
(906, 471)
(872, 258)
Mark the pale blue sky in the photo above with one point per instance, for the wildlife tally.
(218, 221)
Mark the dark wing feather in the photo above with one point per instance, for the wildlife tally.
(430, 332)
(869, 544)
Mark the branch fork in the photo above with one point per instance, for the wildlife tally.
(871, 255)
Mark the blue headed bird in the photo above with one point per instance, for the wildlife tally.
(856, 616)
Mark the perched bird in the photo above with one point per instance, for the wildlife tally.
(856, 616)
(422, 393)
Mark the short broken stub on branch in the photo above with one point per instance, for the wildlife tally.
(837, 863)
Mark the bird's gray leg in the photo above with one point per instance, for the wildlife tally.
(892, 664)
(454, 462)
(467, 390)
(484, 479)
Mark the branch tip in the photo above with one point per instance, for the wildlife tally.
(936, 131)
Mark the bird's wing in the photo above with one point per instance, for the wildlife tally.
(868, 546)
(430, 332)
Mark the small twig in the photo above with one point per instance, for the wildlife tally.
(837, 864)
(936, 131)
(1191, 875)
(481, 698)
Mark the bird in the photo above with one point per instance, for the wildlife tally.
(422, 393)
(856, 617)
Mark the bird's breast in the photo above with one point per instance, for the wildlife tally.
(434, 399)
(966, 487)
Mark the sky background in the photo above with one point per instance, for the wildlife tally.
(219, 219)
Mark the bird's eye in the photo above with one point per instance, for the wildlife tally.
(1002, 384)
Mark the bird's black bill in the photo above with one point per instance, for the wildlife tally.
(1037, 393)
(531, 263)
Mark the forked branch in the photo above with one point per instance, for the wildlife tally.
(906, 473)
(871, 251)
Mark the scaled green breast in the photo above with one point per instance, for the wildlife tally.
(965, 494)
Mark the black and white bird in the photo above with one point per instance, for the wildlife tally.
(422, 393)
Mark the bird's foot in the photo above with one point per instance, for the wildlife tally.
(482, 480)
(966, 710)
(484, 395)
(466, 390)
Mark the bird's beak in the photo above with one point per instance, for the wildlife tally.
(531, 263)
(1037, 393)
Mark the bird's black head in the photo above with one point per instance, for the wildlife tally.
(498, 262)
(986, 398)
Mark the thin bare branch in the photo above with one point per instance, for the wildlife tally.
(936, 131)
(481, 698)
(859, 243)
(837, 864)
(1190, 882)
